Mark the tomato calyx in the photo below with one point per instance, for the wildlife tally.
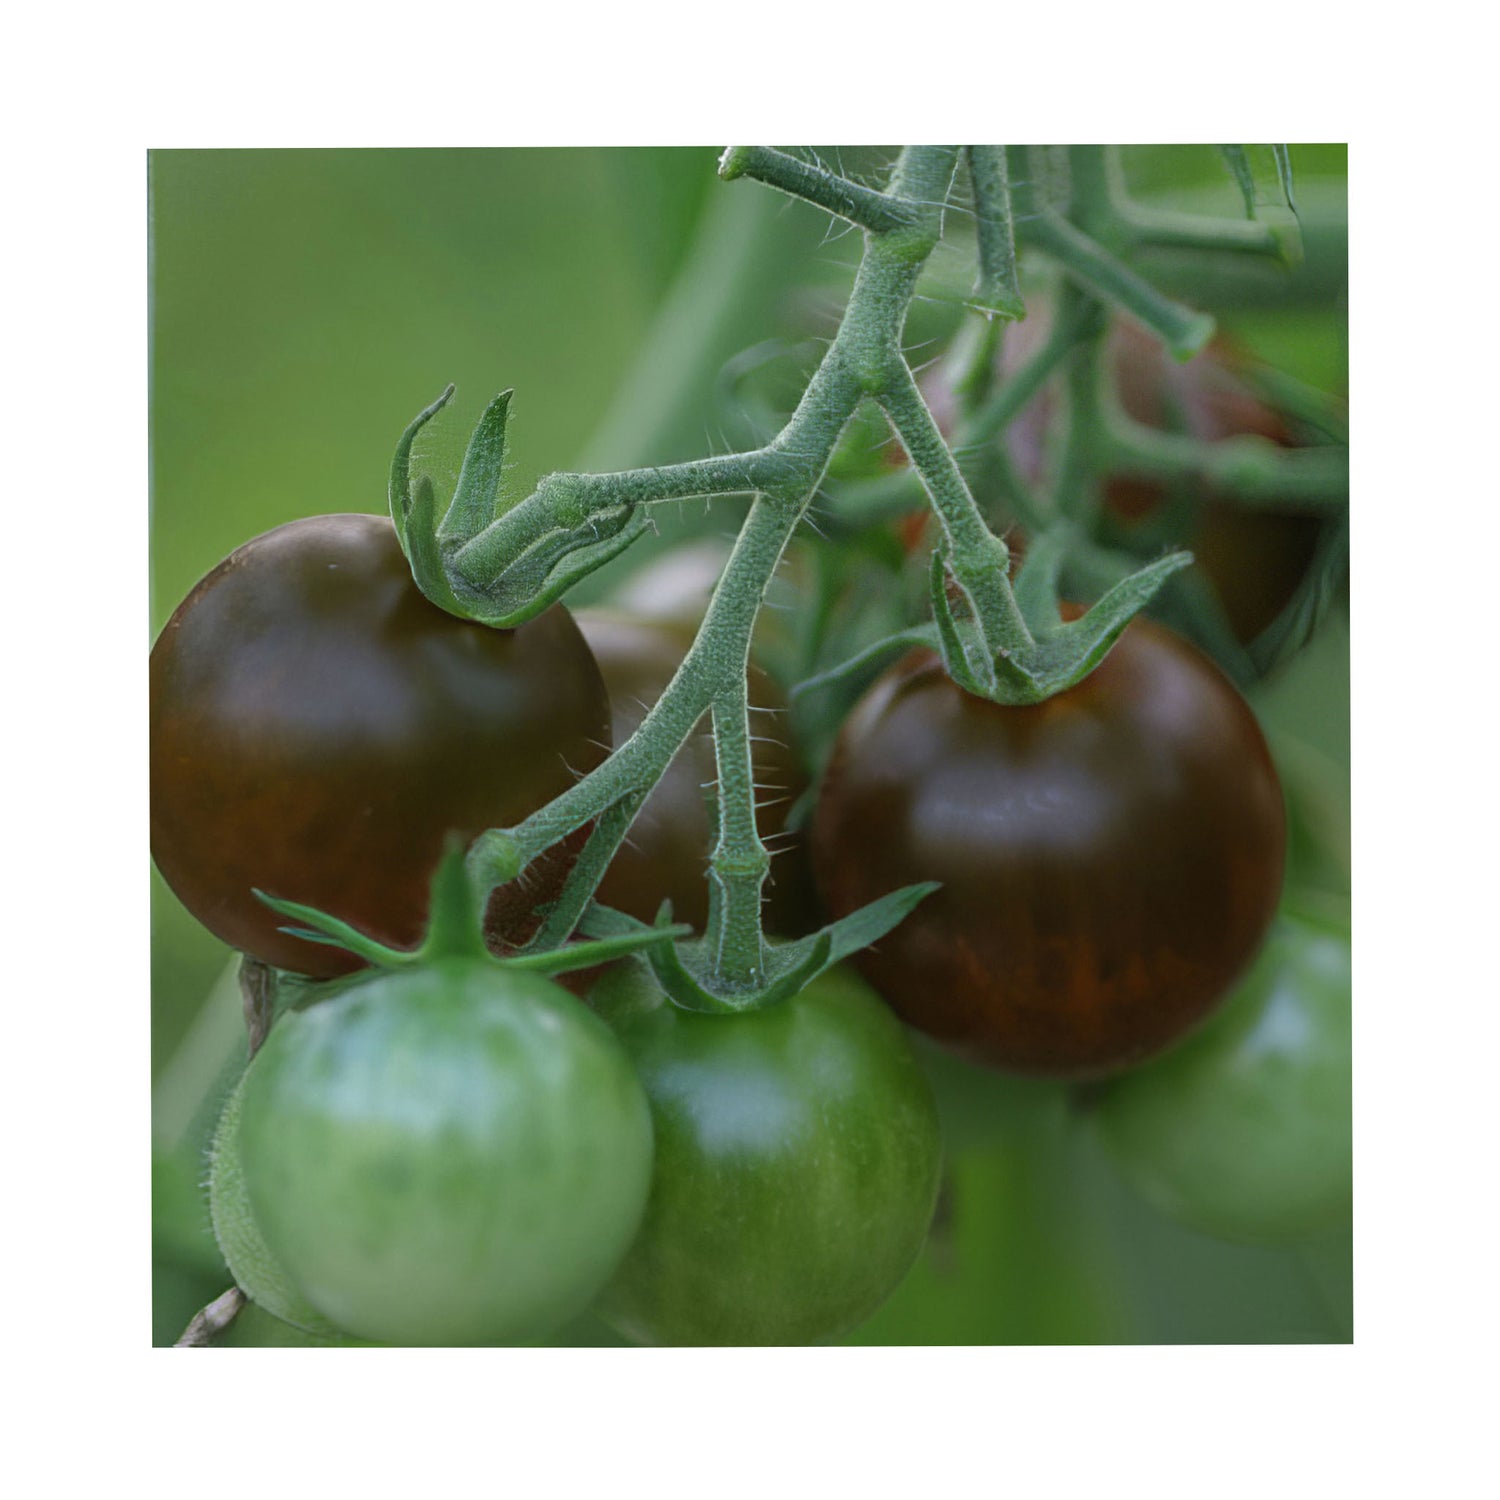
(464, 580)
(686, 971)
(1063, 651)
(455, 931)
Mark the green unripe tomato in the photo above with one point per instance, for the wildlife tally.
(256, 1271)
(797, 1158)
(1244, 1130)
(449, 1154)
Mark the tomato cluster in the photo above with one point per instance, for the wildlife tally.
(458, 1152)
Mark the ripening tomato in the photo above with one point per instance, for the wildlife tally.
(1110, 859)
(667, 852)
(1244, 1131)
(797, 1161)
(455, 1153)
(318, 727)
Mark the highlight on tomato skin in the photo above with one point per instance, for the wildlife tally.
(318, 728)
(1110, 859)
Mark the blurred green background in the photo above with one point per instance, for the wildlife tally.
(306, 304)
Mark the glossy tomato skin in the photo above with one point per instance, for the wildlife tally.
(1244, 1131)
(318, 727)
(450, 1154)
(1109, 859)
(671, 839)
(797, 1161)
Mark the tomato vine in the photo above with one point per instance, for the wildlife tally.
(503, 563)
(1009, 549)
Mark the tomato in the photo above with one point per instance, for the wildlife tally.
(449, 1154)
(1109, 858)
(318, 727)
(1244, 1130)
(797, 1159)
(1254, 559)
(667, 852)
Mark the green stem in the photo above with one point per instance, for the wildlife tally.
(1076, 487)
(978, 559)
(583, 879)
(998, 285)
(739, 864)
(848, 200)
(1093, 268)
(716, 656)
(1250, 469)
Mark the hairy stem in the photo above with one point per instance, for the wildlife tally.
(848, 200)
(978, 558)
(739, 864)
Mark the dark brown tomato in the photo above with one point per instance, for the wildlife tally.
(1110, 859)
(318, 727)
(1254, 559)
(669, 843)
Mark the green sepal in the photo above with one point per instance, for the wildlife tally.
(453, 920)
(399, 496)
(967, 662)
(1069, 650)
(853, 676)
(320, 927)
(476, 497)
(553, 564)
(1064, 653)
(434, 544)
(1238, 163)
(682, 969)
(595, 951)
(454, 929)
(1037, 587)
(425, 553)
